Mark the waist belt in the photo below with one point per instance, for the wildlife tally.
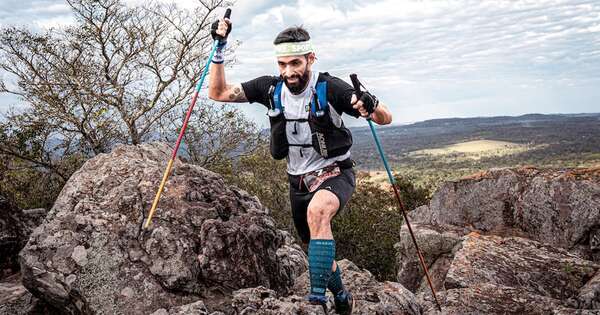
(297, 180)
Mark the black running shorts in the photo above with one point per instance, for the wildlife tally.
(341, 185)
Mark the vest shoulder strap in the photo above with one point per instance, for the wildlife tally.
(276, 96)
(319, 100)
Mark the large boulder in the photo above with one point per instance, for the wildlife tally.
(207, 239)
(508, 241)
(556, 207)
(437, 245)
(520, 263)
(496, 275)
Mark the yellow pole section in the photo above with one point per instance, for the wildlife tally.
(160, 189)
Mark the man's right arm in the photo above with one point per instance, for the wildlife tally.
(219, 90)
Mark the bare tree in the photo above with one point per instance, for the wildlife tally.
(112, 76)
(118, 75)
(221, 135)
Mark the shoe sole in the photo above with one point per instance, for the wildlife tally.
(353, 305)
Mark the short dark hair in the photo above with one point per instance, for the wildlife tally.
(292, 34)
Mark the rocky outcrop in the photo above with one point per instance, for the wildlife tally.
(15, 227)
(371, 296)
(519, 241)
(517, 262)
(559, 208)
(207, 240)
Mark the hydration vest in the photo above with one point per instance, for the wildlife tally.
(328, 139)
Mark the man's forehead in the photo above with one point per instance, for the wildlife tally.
(288, 59)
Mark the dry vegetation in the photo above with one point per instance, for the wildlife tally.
(475, 149)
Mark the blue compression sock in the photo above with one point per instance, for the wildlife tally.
(335, 284)
(321, 254)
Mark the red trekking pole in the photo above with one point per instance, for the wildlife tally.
(182, 132)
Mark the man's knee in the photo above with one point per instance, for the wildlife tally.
(321, 212)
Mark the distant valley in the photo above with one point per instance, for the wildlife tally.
(442, 149)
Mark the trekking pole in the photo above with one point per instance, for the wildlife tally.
(185, 122)
(357, 85)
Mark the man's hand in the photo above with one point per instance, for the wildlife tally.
(366, 105)
(220, 29)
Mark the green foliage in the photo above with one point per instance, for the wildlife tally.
(368, 229)
(217, 134)
(119, 75)
(31, 173)
(28, 187)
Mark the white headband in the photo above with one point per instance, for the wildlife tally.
(293, 49)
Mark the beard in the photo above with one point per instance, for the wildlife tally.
(300, 84)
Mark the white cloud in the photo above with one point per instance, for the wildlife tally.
(427, 56)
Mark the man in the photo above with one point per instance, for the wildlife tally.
(306, 129)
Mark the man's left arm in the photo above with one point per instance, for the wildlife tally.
(370, 106)
(341, 95)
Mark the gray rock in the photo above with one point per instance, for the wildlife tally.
(436, 245)
(16, 300)
(11, 289)
(371, 296)
(514, 262)
(80, 256)
(556, 207)
(509, 241)
(589, 294)
(490, 299)
(263, 301)
(92, 256)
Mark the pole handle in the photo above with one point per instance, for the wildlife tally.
(356, 84)
(227, 13)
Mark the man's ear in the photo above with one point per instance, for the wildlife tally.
(311, 58)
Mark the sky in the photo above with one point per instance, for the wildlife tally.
(423, 59)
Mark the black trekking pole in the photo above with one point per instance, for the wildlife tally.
(358, 92)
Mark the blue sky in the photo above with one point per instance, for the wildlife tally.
(424, 59)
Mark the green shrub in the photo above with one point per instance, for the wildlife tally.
(370, 226)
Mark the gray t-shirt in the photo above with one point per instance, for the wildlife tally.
(301, 160)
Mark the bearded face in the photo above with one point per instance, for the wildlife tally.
(297, 82)
(295, 71)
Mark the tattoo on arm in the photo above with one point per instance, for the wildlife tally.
(237, 94)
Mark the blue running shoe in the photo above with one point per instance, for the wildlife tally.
(318, 300)
(344, 303)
